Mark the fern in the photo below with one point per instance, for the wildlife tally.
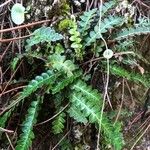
(46, 79)
(77, 114)
(88, 17)
(64, 82)
(43, 34)
(3, 120)
(58, 123)
(27, 135)
(132, 32)
(106, 24)
(85, 21)
(58, 62)
(76, 41)
(106, 6)
(135, 77)
(88, 102)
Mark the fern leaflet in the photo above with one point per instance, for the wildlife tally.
(46, 79)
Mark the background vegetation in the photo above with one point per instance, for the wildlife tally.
(75, 75)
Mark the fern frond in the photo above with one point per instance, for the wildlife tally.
(3, 120)
(27, 135)
(58, 123)
(43, 34)
(135, 77)
(106, 24)
(85, 21)
(76, 41)
(107, 6)
(88, 102)
(58, 62)
(45, 79)
(132, 32)
(64, 82)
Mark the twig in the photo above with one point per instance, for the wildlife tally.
(53, 116)
(24, 26)
(5, 3)
(14, 39)
(140, 137)
(10, 141)
(6, 130)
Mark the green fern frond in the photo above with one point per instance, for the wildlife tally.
(135, 77)
(43, 34)
(58, 123)
(27, 135)
(85, 21)
(132, 32)
(87, 103)
(59, 63)
(107, 6)
(65, 82)
(106, 24)
(3, 120)
(44, 79)
(76, 41)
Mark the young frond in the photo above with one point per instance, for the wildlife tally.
(106, 24)
(27, 135)
(58, 123)
(132, 32)
(76, 41)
